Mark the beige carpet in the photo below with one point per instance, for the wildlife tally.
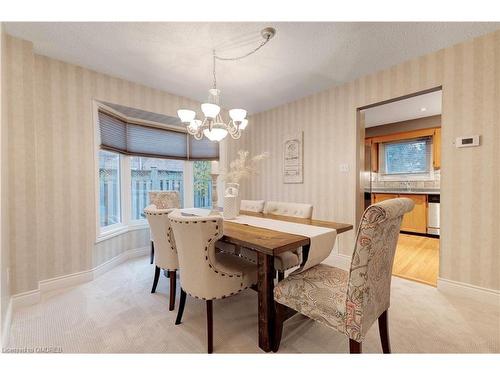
(116, 313)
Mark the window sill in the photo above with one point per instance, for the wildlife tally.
(103, 236)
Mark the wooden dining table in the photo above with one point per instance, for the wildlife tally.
(267, 244)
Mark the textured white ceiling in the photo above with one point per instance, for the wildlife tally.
(406, 109)
(302, 59)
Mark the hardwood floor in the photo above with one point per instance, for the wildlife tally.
(417, 259)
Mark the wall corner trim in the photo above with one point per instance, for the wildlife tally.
(6, 326)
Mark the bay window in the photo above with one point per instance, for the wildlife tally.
(148, 174)
(134, 158)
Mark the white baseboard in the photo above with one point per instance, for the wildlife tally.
(6, 326)
(65, 281)
(477, 293)
(33, 296)
(28, 298)
(483, 295)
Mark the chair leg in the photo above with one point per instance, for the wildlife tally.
(173, 288)
(354, 347)
(152, 256)
(278, 325)
(155, 281)
(281, 275)
(210, 327)
(383, 329)
(182, 303)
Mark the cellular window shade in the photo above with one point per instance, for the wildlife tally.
(141, 140)
(113, 133)
(149, 141)
(203, 149)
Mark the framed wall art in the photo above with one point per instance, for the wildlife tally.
(293, 154)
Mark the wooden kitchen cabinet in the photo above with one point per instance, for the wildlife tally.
(436, 142)
(415, 220)
(379, 197)
(373, 154)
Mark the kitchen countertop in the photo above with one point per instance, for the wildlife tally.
(403, 191)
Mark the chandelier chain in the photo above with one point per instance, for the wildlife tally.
(262, 44)
(266, 40)
(213, 126)
(215, 78)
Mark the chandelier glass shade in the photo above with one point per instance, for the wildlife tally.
(213, 125)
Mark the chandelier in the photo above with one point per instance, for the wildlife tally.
(213, 125)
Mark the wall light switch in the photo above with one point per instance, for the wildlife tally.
(344, 168)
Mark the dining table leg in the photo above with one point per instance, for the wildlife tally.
(266, 313)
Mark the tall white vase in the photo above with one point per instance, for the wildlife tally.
(231, 201)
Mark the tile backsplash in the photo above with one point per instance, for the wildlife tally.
(406, 181)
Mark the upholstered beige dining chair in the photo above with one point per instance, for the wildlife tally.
(207, 274)
(287, 259)
(350, 301)
(162, 200)
(166, 253)
(245, 205)
(252, 205)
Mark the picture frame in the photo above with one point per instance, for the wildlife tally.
(293, 155)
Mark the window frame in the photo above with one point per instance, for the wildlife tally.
(120, 206)
(426, 176)
(144, 222)
(126, 223)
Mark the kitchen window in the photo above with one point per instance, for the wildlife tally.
(409, 157)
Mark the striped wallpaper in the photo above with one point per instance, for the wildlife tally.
(51, 176)
(470, 178)
(51, 159)
(4, 229)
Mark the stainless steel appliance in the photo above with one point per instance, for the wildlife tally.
(433, 214)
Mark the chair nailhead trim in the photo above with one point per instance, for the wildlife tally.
(222, 297)
(210, 241)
